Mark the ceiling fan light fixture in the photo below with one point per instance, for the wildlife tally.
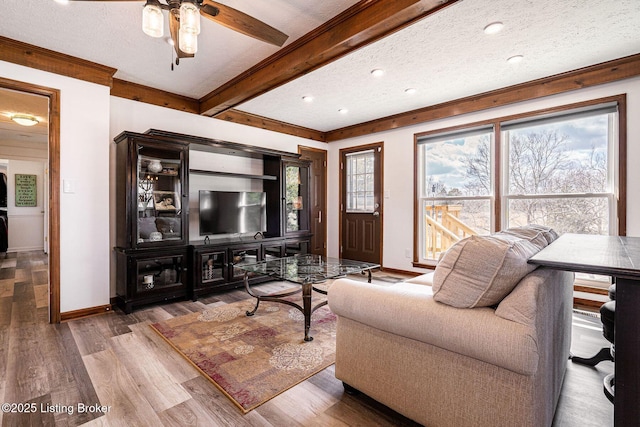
(189, 18)
(152, 19)
(24, 119)
(187, 42)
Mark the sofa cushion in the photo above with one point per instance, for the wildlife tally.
(480, 271)
(409, 310)
(423, 279)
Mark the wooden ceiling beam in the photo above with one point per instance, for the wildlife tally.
(362, 24)
(243, 118)
(149, 95)
(39, 58)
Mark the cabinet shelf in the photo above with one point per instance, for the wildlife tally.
(233, 174)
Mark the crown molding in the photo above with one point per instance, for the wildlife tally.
(39, 58)
(248, 119)
(606, 72)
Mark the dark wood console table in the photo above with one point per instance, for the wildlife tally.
(618, 257)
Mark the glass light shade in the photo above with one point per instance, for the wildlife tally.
(189, 18)
(152, 20)
(24, 119)
(188, 42)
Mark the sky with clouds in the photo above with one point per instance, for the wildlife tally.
(445, 160)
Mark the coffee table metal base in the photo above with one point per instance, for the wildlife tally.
(307, 310)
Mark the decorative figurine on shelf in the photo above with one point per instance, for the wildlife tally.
(154, 166)
(208, 273)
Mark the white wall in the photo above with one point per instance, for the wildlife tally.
(91, 118)
(84, 214)
(398, 167)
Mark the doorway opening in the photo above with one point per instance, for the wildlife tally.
(317, 197)
(33, 177)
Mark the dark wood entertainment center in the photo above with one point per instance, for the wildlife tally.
(155, 259)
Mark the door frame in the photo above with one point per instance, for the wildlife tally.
(302, 148)
(355, 149)
(54, 186)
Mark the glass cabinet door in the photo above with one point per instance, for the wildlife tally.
(296, 200)
(159, 273)
(212, 267)
(159, 195)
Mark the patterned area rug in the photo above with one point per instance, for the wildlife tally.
(253, 359)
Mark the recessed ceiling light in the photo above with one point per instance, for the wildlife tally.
(62, 1)
(515, 59)
(24, 119)
(410, 90)
(307, 98)
(343, 111)
(377, 72)
(493, 28)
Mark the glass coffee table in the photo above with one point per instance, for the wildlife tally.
(306, 271)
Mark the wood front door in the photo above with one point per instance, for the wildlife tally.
(317, 197)
(361, 203)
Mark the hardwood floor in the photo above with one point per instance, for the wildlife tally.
(126, 375)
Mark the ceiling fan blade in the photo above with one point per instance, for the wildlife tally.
(243, 23)
(174, 27)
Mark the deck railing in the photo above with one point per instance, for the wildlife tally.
(444, 228)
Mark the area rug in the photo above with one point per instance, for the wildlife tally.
(253, 359)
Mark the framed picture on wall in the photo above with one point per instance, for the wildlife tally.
(26, 190)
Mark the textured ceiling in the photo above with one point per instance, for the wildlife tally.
(110, 33)
(444, 57)
(447, 56)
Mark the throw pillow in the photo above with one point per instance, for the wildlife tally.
(531, 230)
(480, 271)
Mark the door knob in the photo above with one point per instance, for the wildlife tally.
(376, 213)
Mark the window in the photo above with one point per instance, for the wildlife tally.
(559, 169)
(455, 188)
(560, 172)
(360, 181)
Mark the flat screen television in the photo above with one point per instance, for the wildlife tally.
(231, 212)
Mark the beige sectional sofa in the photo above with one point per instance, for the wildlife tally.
(449, 349)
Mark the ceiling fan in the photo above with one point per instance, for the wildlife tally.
(184, 22)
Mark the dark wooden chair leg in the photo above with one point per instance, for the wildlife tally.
(602, 355)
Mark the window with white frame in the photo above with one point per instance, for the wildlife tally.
(559, 170)
(455, 188)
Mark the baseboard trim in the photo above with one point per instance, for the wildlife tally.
(397, 271)
(85, 312)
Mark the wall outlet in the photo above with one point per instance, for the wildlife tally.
(407, 253)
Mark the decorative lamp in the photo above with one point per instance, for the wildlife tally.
(153, 19)
(189, 18)
(187, 42)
